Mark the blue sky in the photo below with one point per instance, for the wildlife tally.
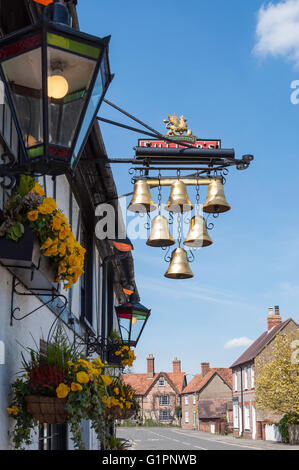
(205, 60)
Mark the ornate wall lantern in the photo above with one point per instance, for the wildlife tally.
(55, 79)
(132, 318)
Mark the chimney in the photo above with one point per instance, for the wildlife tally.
(176, 366)
(150, 366)
(205, 367)
(273, 319)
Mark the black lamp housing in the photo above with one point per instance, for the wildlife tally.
(132, 317)
(55, 79)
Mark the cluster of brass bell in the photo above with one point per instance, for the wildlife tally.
(179, 202)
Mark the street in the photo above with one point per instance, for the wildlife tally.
(160, 438)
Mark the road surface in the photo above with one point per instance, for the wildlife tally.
(160, 438)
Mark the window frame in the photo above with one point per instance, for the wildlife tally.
(165, 398)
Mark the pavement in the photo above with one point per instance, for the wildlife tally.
(170, 438)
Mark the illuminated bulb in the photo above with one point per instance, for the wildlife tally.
(134, 320)
(57, 86)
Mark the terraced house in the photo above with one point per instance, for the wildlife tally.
(207, 400)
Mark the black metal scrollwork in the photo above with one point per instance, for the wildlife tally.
(105, 348)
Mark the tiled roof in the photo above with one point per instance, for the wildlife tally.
(199, 381)
(258, 345)
(213, 408)
(141, 383)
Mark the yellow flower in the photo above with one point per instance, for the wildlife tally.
(57, 222)
(128, 404)
(106, 379)
(37, 189)
(64, 232)
(14, 410)
(85, 363)
(52, 251)
(62, 249)
(32, 215)
(62, 390)
(116, 390)
(82, 377)
(76, 387)
(61, 268)
(48, 206)
(70, 364)
(97, 362)
(47, 243)
(104, 399)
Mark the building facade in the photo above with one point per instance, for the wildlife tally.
(248, 421)
(90, 303)
(206, 400)
(159, 394)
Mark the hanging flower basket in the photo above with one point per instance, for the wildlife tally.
(50, 410)
(115, 412)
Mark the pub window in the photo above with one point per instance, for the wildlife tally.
(52, 437)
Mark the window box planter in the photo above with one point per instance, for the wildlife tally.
(25, 261)
(49, 410)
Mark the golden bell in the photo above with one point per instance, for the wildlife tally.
(216, 201)
(179, 267)
(141, 200)
(178, 200)
(198, 235)
(160, 235)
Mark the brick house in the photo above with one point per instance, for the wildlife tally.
(247, 420)
(158, 393)
(207, 399)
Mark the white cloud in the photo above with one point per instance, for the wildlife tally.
(277, 30)
(238, 342)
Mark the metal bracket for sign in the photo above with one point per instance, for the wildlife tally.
(53, 296)
(103, 347)
(188, 157)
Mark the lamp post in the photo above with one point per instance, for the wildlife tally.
(55, 79)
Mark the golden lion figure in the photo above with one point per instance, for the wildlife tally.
(177, 126)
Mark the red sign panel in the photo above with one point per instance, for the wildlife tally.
(200, 144)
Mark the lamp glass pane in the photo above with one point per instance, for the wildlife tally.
(23, 74)
(68, 84)
(90, 114)
(124, 324)
(136, 329)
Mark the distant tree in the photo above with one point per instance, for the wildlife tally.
(277, 376)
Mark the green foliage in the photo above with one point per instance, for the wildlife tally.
(16, 207)
(25, 423)
(285, 422)
(178, 411)
(118, 444)
(114, 335)
(26, 185)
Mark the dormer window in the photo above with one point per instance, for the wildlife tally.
(161, 382)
